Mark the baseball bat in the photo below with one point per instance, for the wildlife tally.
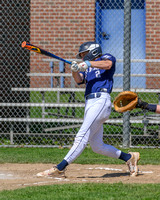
(36, 49)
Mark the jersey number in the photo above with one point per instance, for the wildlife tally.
(98, 75)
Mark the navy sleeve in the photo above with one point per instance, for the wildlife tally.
(108, 56)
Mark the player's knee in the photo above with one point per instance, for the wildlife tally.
(76, 140)
(97, 149)
(79, 139)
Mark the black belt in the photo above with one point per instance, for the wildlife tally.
(93, 95)
(96, 95)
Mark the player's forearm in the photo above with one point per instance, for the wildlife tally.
(104, 64)
(158, 109)
(77, 77)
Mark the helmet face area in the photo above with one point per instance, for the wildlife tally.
(93, 49)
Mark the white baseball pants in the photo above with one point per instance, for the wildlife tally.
(97, 111)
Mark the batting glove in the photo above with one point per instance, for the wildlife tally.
(84, 65)
(74, 66)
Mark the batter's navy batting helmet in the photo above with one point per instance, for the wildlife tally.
(93, 48)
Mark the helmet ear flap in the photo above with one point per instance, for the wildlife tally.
(93, 48)
(95, 52)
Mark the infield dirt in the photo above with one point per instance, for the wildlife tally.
(14, 176)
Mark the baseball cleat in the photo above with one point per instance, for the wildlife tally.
(53, 172)
(133, 163)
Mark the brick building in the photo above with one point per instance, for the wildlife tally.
(153, 40)
(61, 26)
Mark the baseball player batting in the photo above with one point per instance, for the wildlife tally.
(96, 72)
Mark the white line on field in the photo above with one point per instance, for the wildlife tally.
(106, 168)
(114, 169)
(43, 182)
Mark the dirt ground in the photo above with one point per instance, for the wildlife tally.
(13, 176)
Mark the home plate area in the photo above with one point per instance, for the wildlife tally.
(13, 176)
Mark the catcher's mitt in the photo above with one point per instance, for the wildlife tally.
(126, 100)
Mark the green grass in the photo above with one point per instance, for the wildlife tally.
(92, 191)
(85, 191)
(55, 155)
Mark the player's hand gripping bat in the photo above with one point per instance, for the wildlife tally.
(36, 49)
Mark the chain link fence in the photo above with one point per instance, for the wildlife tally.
(42, 106)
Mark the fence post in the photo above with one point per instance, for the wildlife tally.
(126, 68)
(61, 70)
(52, 67)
